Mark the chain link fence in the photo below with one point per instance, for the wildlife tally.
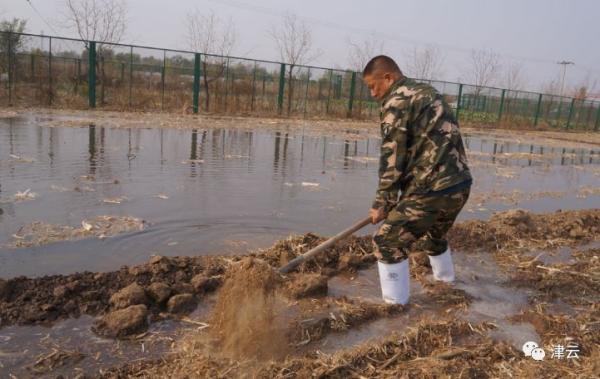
(37, 70)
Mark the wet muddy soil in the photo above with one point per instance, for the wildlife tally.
(334, 321)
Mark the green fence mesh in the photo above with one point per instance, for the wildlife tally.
(37, 70)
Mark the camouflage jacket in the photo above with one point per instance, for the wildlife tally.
(421, 150)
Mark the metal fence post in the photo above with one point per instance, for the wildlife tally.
(578, 121)
(196, 86)
(281, 87)
(589, 115)
(570, 113)
(253, 88)
(526, 105)
(360, 99)
(458, 100)
(597, 119)
(226, 82)
(537, 110)
(130, 74)
(50, 71)
(560, 104)
(9, 60)
(329, 91)
(501, 108)
(92, 74)
(77, 82)
(162, 81)
(32, 66)
(351, 98)
(306, 91)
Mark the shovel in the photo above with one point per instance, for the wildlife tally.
(325, 245)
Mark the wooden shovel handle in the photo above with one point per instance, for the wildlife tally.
(325, 245)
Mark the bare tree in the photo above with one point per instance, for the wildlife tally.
(294, 40)
(208, 34)
(12, 37)
(483, 70)
(97, 20)
(102, 21)
(361, 52)
(425, 63)
(587, 86)
(11, 43)
(514, 77)
(551, 87)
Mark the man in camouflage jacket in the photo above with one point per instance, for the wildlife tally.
(423, 158)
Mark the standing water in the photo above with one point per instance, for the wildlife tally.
(221, 191)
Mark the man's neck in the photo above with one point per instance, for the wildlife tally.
(393, 87)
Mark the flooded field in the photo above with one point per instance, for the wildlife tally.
(158, 218)
(219, 191)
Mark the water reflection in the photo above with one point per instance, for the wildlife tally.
(92, 149)
(276, 155)
(224, 186)
(521, 154)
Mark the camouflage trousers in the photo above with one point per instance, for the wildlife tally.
(418, 216)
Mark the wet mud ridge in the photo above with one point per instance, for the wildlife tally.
(435, 335)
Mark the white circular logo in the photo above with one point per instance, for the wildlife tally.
(538, 354)
(528, 347)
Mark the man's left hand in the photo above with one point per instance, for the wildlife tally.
(377, 215)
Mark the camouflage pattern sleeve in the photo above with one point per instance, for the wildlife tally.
(393, 153)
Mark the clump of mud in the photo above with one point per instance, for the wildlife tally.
(46, 299)
(247, 319)
(39, 233)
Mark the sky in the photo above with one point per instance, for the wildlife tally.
(535, 34)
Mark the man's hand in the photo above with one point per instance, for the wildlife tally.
(377, 215)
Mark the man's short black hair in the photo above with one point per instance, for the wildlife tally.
(381, 64)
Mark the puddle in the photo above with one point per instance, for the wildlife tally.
(22, 346)
(561, 255)
(477, 275)
(364, 285)
(514, 333)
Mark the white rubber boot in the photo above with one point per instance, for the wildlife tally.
(442, 266)
(394, 282)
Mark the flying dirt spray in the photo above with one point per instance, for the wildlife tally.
(247, 321)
